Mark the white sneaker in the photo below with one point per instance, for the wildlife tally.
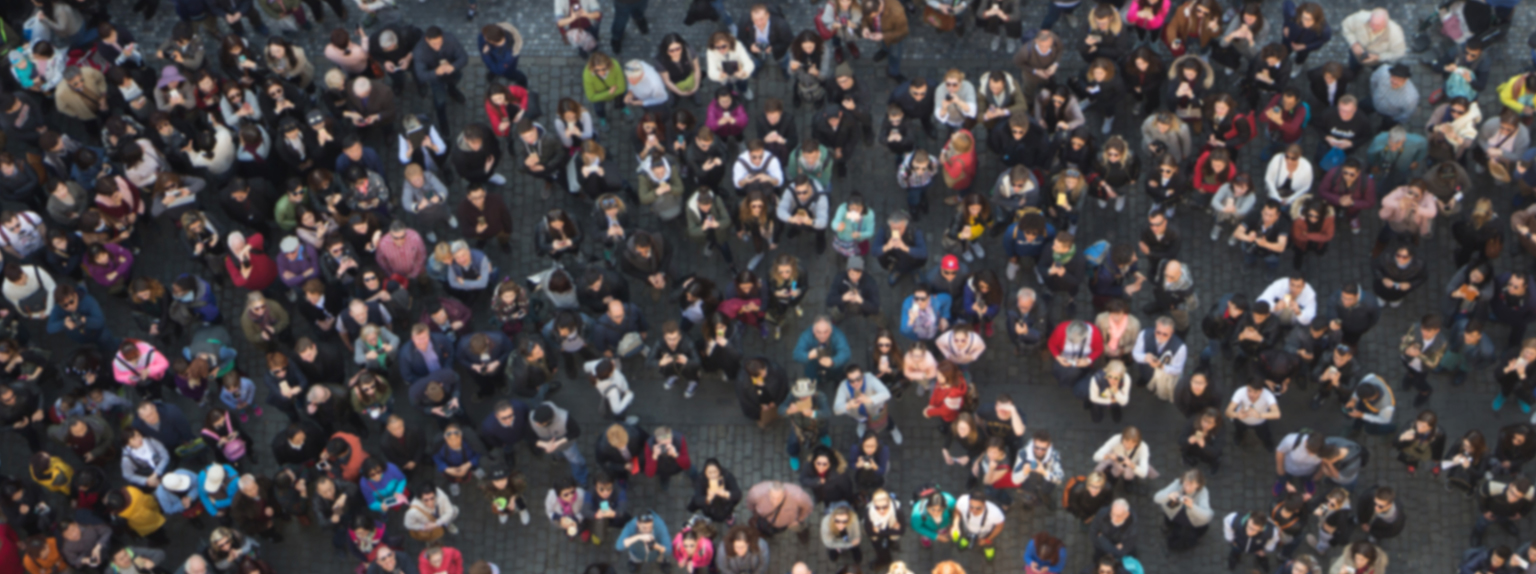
(1395, 304)
(997, 42)
(896, 436)
(1109, 125)
(1120, 203)
(1103, 203)
(1232, 241)
(1013, 270)
(980, 251)
(454, 530)
(453, 489)
(431, 238)
(453, 222)
(1216, 233)
(498, 179)
(671, 381)
(503, 518)
(692, 386)
(966, 255)
(749, 94)
(862, 427)
(799, 312)
(522, 515)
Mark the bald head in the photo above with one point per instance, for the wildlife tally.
(1379, 19)
(361, 87)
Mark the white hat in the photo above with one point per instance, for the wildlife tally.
(178, 481)
(213, 478)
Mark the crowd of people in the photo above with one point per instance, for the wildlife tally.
(111, 145)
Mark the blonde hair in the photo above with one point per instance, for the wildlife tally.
(948, 567)
(962, 142)
(954, 74)
(442, 252)
(335, 79)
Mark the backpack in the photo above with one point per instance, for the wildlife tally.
(1096, 253)
(923, 492)
(1066, 488)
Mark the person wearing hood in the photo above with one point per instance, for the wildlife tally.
(832, 127)
(646, 256)
(661, 186)
(1189, 80)
(501, 45)
(537, 151)
(999, 98)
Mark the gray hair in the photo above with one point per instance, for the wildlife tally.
(898, 216)
(1397, 134)
(1115, 369)
(1077, 331)
(1121, 505)
(1165, 321)
(397, 225)
(388, 40)
(634, 68)
(458, 245)
(1025, 293)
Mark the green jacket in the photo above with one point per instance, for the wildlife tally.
(597, 88)
(822, 176)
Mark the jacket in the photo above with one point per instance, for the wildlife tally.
(502, 60)
(1389, 45)
(780, 36)
(892, 21)
(1199, 513)
(1114, 541)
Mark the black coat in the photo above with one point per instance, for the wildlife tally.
(775, 390)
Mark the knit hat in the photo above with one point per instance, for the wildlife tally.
(843, 70)
(544, 414)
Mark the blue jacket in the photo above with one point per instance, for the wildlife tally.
(1031, 556)
(1016, 245)
(95, 320)
(446, 457)
(939, 301)
(413, 365)
(231, 489)
(839, 343)
(639, 552)
(204, 302)
(498, 60)
(174, 429)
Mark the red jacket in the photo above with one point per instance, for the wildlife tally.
(1301, 237)
(1290, 131)
(1058, 340)
(1210, 186)
(961, 168)
(453, 563)
(516, 95)
(10, 550)
(952, 395)
(354, 465)
(680, 442)
(263, 268)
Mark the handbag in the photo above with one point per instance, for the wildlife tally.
(428, 535)
(939, 20)
(233, 449)
(765, 526)
(1334, 158)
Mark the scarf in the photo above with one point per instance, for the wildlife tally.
(926, 326)
(1063, 258)
(649, 162)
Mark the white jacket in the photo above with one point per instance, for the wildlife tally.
(738, 54)
(1301, 179)
(1113, 447)
(416, 520)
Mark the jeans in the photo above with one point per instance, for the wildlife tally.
(1240, 430)
(1054, 13)
(515, 76)
(893, 62)
(725, 16)
(1271, 260)
(916, 199)
(761, 60)
(622, 12)
(578, 464)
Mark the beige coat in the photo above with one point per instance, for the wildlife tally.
(75, 105)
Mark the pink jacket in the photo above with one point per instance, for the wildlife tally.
(151, 365)
(1420, 220)
(1131, 15)
(737, 112)
(703, 554)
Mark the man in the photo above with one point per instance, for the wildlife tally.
(430, 510)
(1422, 349)
(531, 372)
(1379, 516)
(831, 127)
(22, 234)
(1076, 346)
(813, 160)
(767, 39)
(79, 316)
(645, 539)
(1284, 118)
(250, 203)
(394, 48)
(1292, 300)
(501, 44)
(163, 422)
(1343, 127)
(1335, 375)
(886, 22)
(388, 561)
(477, 152)
(554, 434)
(1252, 407)
(1373, 39)
(778, 506)
(924, 315)
(646, 89)
(427, 353)
(615, 327)
(979, 523)
(1037, 470)
(1264, 235)
(1117, 279)
(1114, 531)
(1468, 56)
(1031, 234)
(1038, 62)
(900, 247)
(1062, 272)
(1021, 143)
(1250, 533)
(1393, 155)
(916, 101)
(809, 414)
(506, 426)
(1471, 352)
(402, 253)
(1027, 327)
(21, 410)
(822, 350)
(1173, 294)
(371, 108)
(1160, 356)
(863, 397)
(1159, 242)
(756, 169)
(647, 257)
(675, 359)
(854, 294)
(803, 208)
(1255, 332)
(1354, 311)
(1372, 406)
(439, 63)
(83, 96)
(1513, 304)
(21, 117)
(540, 154)
(1393, 94)
(1505, 508)
(484, 217)
(1352, 192)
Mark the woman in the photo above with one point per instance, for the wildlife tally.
(949, 398)
(1109, 388)
(743, 302)
(1477, 235)
(1124, 457)
(241, 65)
(1101, 91)
(603, 82)
(920, 367)
(841, 533)
(693, 552)
(718, 346)
(726, 117)
(933, 514)
(841, 22)
(729, 64)
(1186, 506)
(110, 266)
(375, 348)
(1240, 40)
(883, 525)
(1202, 440)
(510, 307)
(1305, 30)
(1408, 213)
(506, 491)
(757, 225)
(573, 124)
(1466, 468)
(969, 227)
(1398, 274)
(505, 106)
(1148, 17)
(811, 65)
(371, 397)
(958, 163)
(1194, 24)
(709, 222)
(1360, 558)
(1313, 231)
(557, 235)
(580, 24)
(1045, 554)
(1166, 186)
(290, 63)
(679, 67)
(1116, 170)
(1422, 443)
(885, 362)
(1003, 19)
(1515, 378)
(1067, 190)
(742, 551)
(981, 299)
(589, 174)
(228, 548)
(715, 493)
(1057, 108)
(964, 442)
(1144, 73)
(786, 285)
(1212, 170)
(1289, 176)
(1231, 204)
(853, 225)
(1226, 128)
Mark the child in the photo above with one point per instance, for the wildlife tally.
(505, 489)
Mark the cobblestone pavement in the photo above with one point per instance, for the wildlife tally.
(1439, 521)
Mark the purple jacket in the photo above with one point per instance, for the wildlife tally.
(120, 262)
(304, 268)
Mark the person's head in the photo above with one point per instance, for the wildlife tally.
(1347, 106)
(1119, 511)
(1384, 498)
(1130, 438)
(1429, 326)
(822, 329)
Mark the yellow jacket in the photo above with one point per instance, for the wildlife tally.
(60, 476)
(143, 512)
(1510, 92)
